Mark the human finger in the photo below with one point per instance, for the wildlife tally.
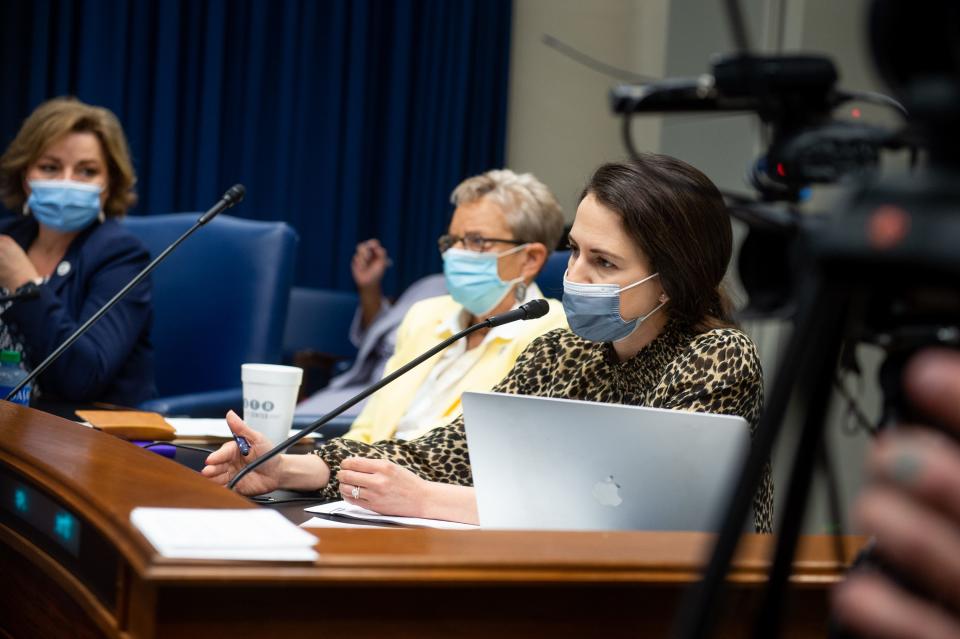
(9, 246)
(932, 381)
(353, 478)
(352, 493)
(216, 469)
(925, 465)
(918, 542)
(222, 478)
(870, 605)
(359, 503)
(258, 443)
(365, 465)
(225, 453)
(370, 249)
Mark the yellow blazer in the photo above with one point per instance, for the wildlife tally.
(419, 331)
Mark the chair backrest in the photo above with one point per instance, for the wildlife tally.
(550, 279)
(219, 301)
(319, 320)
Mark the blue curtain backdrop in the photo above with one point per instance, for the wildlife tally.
(348, 119)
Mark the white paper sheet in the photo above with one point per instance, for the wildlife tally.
(320, 522)
(199, 533)
(344, 509)
(188, 428)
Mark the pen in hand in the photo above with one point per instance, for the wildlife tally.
(242, 444)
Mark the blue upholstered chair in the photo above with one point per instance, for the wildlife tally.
(319, 320)
(219, 300)
(317, 335)
(550, 279)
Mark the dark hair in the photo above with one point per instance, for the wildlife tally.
(677, 217)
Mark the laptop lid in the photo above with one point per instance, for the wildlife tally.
(558, 464)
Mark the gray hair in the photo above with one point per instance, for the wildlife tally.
(531, 209)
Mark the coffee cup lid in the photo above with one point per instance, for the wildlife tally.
(271, 374)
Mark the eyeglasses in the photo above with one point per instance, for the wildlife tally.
(472, 242)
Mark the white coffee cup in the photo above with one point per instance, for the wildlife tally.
(269, 398)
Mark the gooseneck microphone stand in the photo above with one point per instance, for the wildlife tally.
(530, 310)
(233, 196)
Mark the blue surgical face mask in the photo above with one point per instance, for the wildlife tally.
(473, 280)
(593, 310)
(64, 205)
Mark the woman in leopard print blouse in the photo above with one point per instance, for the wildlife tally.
(657, 231)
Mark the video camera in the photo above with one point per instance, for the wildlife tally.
(796, 97)
(883, 268)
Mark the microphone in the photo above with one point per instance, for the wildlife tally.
(528, 311)
(232, 197)
(531, 310)
(29, 294)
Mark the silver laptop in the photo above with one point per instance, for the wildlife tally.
(559, 464)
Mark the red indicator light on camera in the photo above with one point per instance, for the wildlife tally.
(887, 226)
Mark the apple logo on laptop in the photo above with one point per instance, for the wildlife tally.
(607, 492)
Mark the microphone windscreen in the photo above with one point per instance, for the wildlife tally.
(536, 308)
(234, 194)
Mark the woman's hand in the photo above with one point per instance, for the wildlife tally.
(385, 487)
(912, 505)
(16, 269)
(390, 489)
(223, 464)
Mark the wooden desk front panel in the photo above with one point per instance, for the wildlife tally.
(370, 585)
(417, 583)
(423, 583)
(428, 611)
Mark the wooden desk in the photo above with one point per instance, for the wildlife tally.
(367, 583)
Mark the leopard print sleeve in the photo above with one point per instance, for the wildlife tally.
(721, 373)
(441, 455)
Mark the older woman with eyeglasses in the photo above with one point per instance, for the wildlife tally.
(503, 229)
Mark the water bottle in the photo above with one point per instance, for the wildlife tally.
(11, 374)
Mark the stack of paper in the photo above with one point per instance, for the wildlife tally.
(196, 533)
(349, 511)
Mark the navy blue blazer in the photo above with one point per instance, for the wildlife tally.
(113, 361)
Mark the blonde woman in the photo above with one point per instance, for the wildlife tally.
(67, 177)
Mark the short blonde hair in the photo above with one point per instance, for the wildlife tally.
(51, 121)
(531, 209)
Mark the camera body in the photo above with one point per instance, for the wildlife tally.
(796, 96)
